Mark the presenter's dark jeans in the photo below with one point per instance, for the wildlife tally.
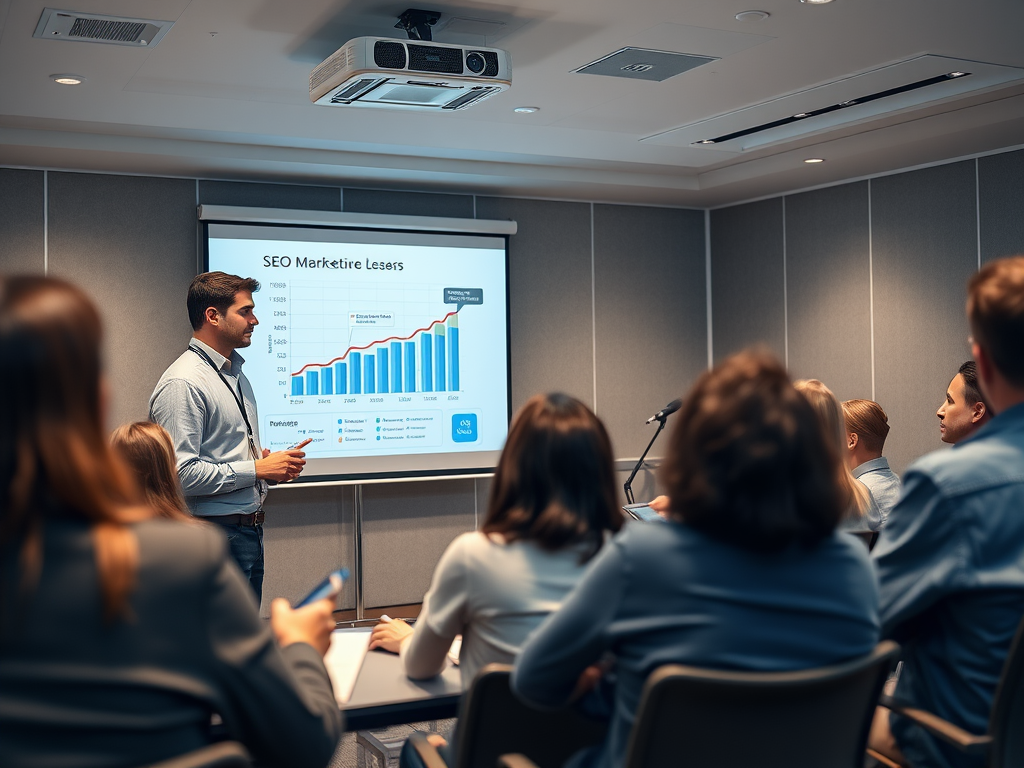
(246, 544)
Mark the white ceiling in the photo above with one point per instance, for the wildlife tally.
(225, 95)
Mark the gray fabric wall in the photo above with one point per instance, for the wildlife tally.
(606, 299)
(863, 284)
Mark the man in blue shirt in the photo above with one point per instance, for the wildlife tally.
(951, 559)
(867, 426)
(207, 405)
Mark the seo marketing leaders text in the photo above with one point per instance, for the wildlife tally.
(389, 348)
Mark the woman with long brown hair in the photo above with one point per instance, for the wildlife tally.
(122, 633)
(147, 449)
(552, 504)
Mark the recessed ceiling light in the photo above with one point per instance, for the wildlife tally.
(956, 74)
(815, 160)
(706, 141)
(68, 79)
(800, 114)
(752, 15)
(815, 2)
(526, 110)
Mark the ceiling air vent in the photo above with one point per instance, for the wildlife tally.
(644, 64)
(96, 28)
(892, 89)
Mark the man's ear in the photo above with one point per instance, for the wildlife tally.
(978, 412)
(211, 315)
(852, 438)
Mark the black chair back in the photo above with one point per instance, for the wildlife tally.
(223, 754)
(816, 718)
(1006, 723)
(493, 722)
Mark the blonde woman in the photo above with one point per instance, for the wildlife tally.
(862, 512)
(147, 449)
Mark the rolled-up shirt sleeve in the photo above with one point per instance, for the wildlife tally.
(179, 408)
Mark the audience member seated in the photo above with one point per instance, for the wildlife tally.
(951, 561)
(862, 513)
(867, 426)
(148, 451)
(964, 410)
(121, 633)
(552, 504)
(747, 573)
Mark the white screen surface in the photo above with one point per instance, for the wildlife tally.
(388, 349)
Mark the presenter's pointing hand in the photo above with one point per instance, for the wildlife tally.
(281, 466)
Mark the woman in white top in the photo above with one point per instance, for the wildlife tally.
(552, 503)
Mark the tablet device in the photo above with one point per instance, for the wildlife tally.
(642, 512)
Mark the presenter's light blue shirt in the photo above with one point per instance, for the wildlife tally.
(211, 444)
(951, 571)
(883, 483)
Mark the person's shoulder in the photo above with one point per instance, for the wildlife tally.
(180, 547)
(185, 367)
(986, 461)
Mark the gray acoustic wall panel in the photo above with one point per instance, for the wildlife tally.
(406, 527)
(1001, 202)
(651, 315)
(130, 241)
(309, 532)
(747, 278)
(408, 203)
(252, 195)
(924, 240)
(21, 221)
(828, 288)
(551, 302)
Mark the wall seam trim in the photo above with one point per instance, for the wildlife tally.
(593, 307)
(46, 223)
(785, 288)
(871, 290)
(977, 205)
(707, 286)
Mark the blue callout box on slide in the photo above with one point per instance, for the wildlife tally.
(464, 428)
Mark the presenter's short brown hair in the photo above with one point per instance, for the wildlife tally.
(217, 290)
(868, 421)
(995, 311)
(748, 461)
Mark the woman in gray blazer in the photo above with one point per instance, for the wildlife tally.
(122, 633)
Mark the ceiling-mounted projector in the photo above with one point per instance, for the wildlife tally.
(409, 74)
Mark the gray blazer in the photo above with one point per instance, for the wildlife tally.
(75, 690)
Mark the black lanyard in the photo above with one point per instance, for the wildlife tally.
(238, 400)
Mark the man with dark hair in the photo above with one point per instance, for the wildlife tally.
(207, 405)
(951, 559)
(964, 409)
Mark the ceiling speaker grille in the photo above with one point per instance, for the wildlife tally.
(96, 29)
(74, 26)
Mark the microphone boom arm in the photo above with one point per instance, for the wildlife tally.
(628, 485)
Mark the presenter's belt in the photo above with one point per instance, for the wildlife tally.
(255, 518)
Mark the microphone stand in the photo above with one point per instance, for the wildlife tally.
(628, 486)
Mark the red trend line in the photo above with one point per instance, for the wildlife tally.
(374, 343)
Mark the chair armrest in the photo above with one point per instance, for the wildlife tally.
(515, 761)
(963, 740)
(426, 751)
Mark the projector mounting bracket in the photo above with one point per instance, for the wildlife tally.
(417, 23)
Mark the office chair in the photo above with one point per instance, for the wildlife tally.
(492, 722)
(223, 754)
(816, 718)
(1003, 744)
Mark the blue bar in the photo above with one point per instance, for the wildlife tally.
(327, 381)
(341, 376)
(382, 370)
(312, 383)
(369, 379)
(453, 359)
(296, 385)
(410, 366)
(427, 372)
(396, 366)
(439, 361)
(355, 361)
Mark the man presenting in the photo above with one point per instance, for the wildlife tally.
(207, 405)
(964, 409)
(951, 558)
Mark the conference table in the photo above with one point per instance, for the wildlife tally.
(383, 695)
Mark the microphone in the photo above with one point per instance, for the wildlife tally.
(668, 410)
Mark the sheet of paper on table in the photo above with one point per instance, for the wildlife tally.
(344, 659)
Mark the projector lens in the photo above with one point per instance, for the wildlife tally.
(475, 63)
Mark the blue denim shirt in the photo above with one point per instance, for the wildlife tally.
(215, 464)
(951, 570)
(883, 484)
